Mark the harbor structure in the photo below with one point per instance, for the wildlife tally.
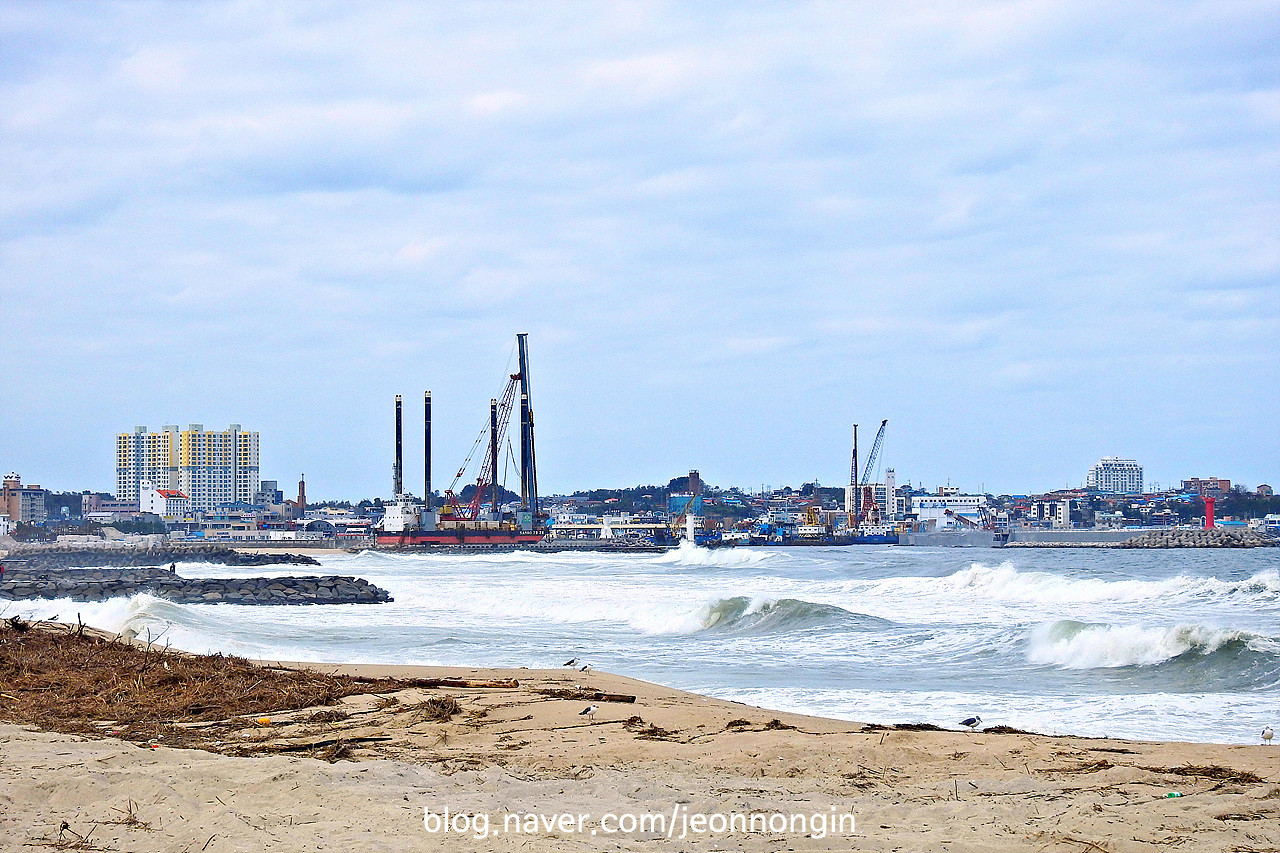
(948, 508)
(211, 467)
(409, 522)
(1116, 476)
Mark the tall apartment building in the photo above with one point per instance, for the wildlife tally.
(212, 468)
(1113, 475)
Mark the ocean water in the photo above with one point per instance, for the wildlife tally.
(1168, 645)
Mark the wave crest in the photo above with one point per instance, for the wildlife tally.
(1004, 582)
(1082, 645)
(743, 615)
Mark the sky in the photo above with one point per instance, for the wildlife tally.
(1029, 234)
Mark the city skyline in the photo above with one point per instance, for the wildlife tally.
(1029, 235)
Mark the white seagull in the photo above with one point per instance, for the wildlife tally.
(972, 723)
(589, 711)
(570, 662)
(1267, 735)
(586, 667)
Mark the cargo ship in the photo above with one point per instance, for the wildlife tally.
(409, 522)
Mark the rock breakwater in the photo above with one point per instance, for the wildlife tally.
(103, 584)
(56, 557)
(1215, 538)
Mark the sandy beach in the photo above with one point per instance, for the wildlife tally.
(504, 759)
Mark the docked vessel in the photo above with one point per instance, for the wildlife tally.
(410, 522)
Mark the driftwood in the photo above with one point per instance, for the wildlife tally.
(610, 697)
(460, 683)
(580, 695)
(299, 747)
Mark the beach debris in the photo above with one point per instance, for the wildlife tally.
(129, 817)
(653, 732)
(438, 709)
(1211, 771)
(70, 682)
(1010, 730)
(329, 715)
(579, 694)
(455, 683)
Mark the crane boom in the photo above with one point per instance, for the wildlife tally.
(875, 451)
(487, 474)
(865, 506)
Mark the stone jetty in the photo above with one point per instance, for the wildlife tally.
(86, 586)
(55, 557)
(1215, 538)
(96, 574)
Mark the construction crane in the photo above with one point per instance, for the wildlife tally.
(868, 509)
(497, 429)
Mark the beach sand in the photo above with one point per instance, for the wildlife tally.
(527, 750)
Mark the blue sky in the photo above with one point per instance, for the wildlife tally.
(1029, 234)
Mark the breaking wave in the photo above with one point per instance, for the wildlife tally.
(689, 555)
(1082, 645)
(743, 615)
(1004, 582)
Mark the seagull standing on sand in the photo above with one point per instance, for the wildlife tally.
(590, 712)
(972, 723)
(1267, 735)
(570, 662)
(586, 667)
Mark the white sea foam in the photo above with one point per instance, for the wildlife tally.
(1004, 582)
(1077, 645)
(690, 555)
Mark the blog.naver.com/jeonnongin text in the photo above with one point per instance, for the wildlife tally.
(677, 823)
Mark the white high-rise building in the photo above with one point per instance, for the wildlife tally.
(1113, 475)
(211, 468)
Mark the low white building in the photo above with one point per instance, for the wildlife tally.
(169, 504)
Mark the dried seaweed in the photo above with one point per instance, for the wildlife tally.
(83, 684)
(1210, 771)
